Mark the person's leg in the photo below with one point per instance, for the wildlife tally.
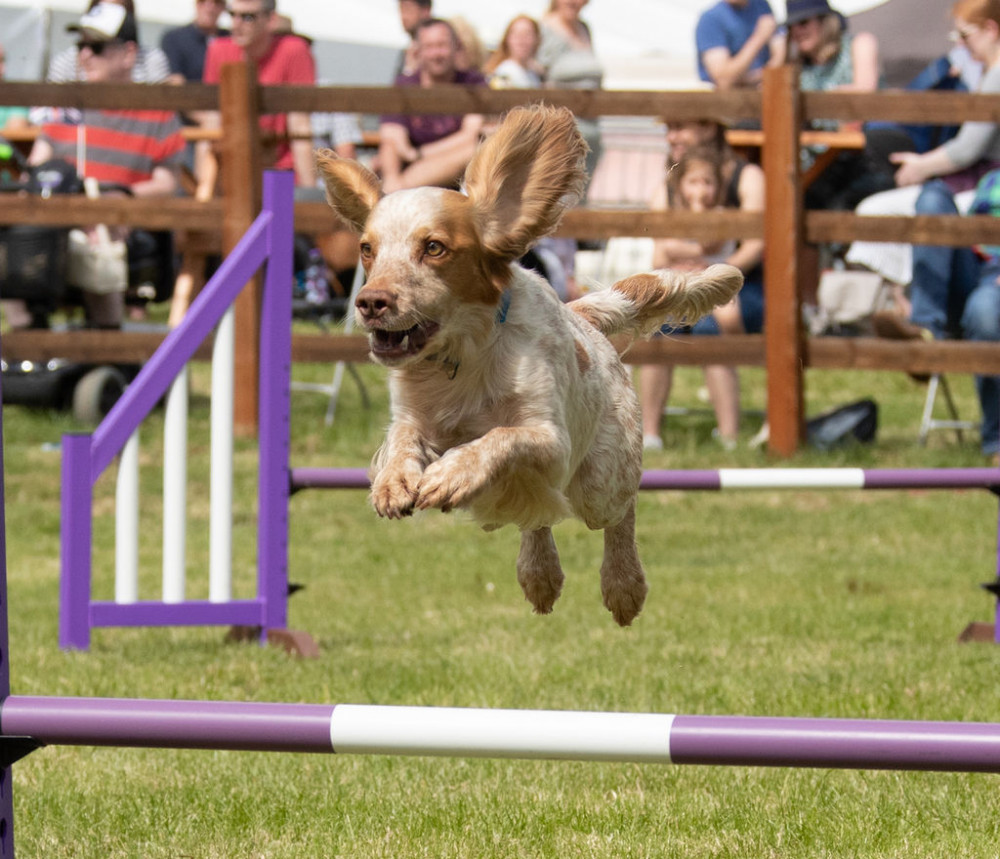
(933, 267)
(655, 381)
(723, 385)
(981, 321)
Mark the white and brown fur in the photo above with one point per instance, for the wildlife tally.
(506, 402)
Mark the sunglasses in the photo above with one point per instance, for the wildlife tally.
(962, 35)
(245, 17)
(96, 48)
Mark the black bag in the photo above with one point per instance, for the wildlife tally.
(854, 422)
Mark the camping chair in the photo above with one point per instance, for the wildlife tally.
(332, 390)
(938, 383)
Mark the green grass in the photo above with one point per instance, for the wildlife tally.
(763, 603)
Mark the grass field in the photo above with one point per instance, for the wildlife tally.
(842, 604)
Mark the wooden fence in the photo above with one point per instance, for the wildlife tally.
(782, 109)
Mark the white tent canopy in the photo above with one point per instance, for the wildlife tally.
(641, 41)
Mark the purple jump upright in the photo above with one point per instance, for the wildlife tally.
(85, 457)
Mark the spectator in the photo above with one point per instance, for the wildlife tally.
(280, 58)
(832, 59)
(137, 149)
(411, 14)
(471, 53)
(514, 64)
(958, 163)
(151, 64)
(567, 54)
(980, 318)
(943, 279)
(742, 188)
(430, 150)
(185, 47)
(10, 117)
(736, 40)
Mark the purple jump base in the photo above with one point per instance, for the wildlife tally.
(565, 735)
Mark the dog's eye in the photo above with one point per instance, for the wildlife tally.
(366, 250)
(433, 248)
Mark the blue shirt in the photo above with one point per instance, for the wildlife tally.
(727, 26)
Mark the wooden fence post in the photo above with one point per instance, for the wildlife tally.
(241, 193)
(784, 233)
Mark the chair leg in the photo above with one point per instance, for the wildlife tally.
(928, 422)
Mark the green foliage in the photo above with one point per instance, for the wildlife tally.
(842, 604)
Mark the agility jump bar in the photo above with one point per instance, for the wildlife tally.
(488, 733)
(734, 478)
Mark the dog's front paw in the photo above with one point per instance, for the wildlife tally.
(450, 482)
(394, 492)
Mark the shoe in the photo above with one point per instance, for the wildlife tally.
(892, 326)
(727, 444)
(652, 442)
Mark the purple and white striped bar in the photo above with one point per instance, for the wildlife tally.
(547, 734)
(735, 478)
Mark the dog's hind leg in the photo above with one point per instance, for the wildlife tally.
(623, 582)
(538, 569)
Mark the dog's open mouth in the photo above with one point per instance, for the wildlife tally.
(401, 344)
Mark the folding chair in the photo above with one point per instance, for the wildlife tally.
(928, 422)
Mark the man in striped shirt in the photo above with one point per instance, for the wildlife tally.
(139, 150)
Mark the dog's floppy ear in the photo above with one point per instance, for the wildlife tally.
(352, 190)
(525, 176)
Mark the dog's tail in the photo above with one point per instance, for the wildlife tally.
(641, 304)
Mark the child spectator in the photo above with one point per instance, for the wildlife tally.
(514, 64)
(708, 163)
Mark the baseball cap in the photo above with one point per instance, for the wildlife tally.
(107, 22)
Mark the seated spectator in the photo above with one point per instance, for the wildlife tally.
(151, 64)
(280, 58)
(957, 164)
(471, 53)
(411, 14)
(831, 59)
(420, 150)
(11, 118)
(185, 47)
(980, 320)
(567, 54)
(514, 64)
(736, 40)
(138, 149)
(742, 187)
(943, 280)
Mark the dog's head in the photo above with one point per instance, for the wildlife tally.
(438, 260)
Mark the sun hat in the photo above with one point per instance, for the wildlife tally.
(803, 10)
(106, 22)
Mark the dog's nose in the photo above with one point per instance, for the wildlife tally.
(373, 303)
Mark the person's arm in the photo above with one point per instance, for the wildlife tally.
(300, 132)
(749, 252)
(162, 183)
(974, 141)
(206, 164)
(864, 58)
(916, 168)
(394, 146)
(41, 151)
(674, 253)
(730, 70)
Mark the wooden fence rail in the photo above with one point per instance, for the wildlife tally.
(780, 106)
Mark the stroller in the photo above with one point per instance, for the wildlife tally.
(33, 270)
